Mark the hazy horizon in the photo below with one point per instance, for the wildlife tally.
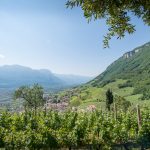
(55, 73)
(45, 35)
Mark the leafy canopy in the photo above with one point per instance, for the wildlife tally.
(117, 14)
(32, 96)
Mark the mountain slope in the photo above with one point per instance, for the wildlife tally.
(128, 77)
(133, 66)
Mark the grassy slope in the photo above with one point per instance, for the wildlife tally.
(134, 70)
(96, 95)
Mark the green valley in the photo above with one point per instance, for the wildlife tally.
(62, 87)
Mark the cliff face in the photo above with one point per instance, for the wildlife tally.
(131, 53)
(128, 54)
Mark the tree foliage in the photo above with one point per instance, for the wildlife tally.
(117, 14)
(121, 103)
(109, 99)
(32, 96)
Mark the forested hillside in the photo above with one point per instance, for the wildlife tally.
(134, 67)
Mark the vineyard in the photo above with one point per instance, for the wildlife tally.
(75, 129)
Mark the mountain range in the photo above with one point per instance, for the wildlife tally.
(14, 76)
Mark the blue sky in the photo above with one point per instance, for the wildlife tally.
(44, 34)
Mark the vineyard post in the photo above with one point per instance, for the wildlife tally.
(101, 110)
(45, 111)
(139, 117)
(115, 111)
(25, 115)
(102, 114)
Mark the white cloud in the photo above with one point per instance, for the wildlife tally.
(2, 56)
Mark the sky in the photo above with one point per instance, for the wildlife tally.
(43, 34)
